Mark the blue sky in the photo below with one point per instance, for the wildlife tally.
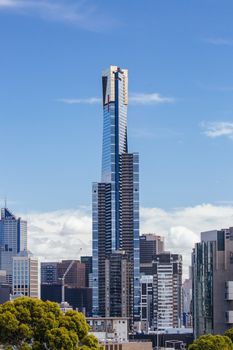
(179, 54)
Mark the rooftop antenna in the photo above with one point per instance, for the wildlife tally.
(5, 202)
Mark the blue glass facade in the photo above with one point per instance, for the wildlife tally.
(13, 239)
(115, 200)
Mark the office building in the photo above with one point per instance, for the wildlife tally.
(13, 239)
(87, 260)
(26, 275)
(52, 273)
(4, 288)
(187, 301)
(49, 272)
(78, 298)
(76, 277)
(115, 200)
(167, 283)
(212, 268)
(150, 245)
(146, 283)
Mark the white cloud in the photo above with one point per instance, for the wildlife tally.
(74, 12)
(60, 234)
(153, 98)
(218, 129)
(181, 227)
(219, 41)
(89, 101)
(134, 98)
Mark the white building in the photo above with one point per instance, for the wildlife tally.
(167, 282)
(26, 275)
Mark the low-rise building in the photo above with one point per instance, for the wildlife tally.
(112, 333)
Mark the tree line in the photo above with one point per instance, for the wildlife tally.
(32, 324)
(214, 342)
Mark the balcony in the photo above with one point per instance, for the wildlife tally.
(229, 317)
(229, 290)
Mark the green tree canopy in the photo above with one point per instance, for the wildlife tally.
(28, 323)
(212, 342)
(229, 334)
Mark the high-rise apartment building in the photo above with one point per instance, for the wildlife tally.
(167, 284)
(212, 265)
(26, 275)
(13, 239)
(116, 198)
(117, 285)
(150, 245)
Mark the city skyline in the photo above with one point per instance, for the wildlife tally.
(180, 116)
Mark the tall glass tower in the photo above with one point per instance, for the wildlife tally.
(13, 239)
(115, 204)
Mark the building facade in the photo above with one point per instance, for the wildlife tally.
(13, 239)
(187, 308)
(212, 268)
(49, 273)
(150, 245)
(147, 311)
(117, 285)
(26, 275)
(87, 261)
(167, 284)
(115, 200)
(52, 273)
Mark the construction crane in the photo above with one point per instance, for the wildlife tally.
(63, 281)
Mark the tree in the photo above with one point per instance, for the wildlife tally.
(229, 334)
(28, 323)
(212, 342)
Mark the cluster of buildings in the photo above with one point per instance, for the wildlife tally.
(130, 286)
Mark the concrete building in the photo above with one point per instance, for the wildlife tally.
(13, 239)
(167, 283)
(212, 264)
(26, 275)
(76, 277)
(115, 200)
(52, 273)
(112, 333)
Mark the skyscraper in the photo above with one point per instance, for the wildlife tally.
(167, 284)
(116, 197)
(13, 239)
(212, 269)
